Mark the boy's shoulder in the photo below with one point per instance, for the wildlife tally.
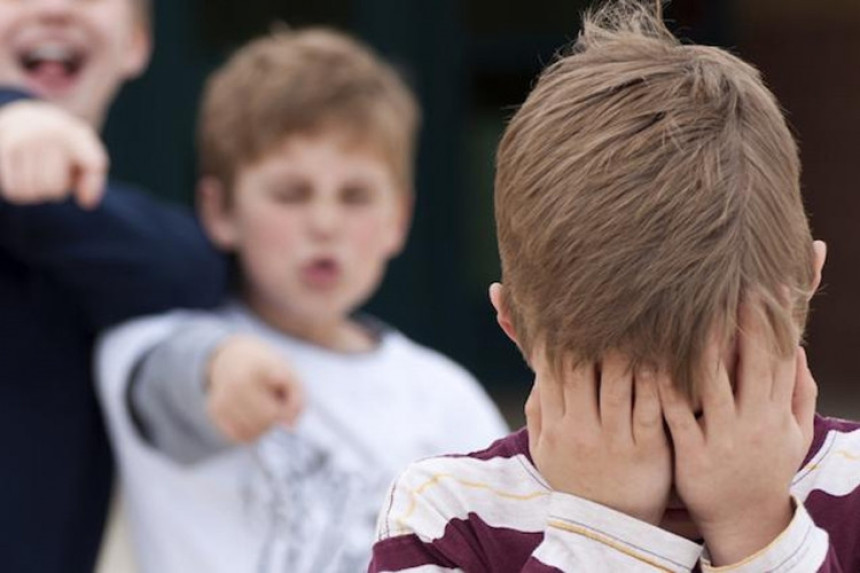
(450, 505)
(829, 431)
(433, 491)
(828, 484)
(830, 475)
(507, 455)
(826, 423)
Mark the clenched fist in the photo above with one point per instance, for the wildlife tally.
(251, 389)
(47, 154)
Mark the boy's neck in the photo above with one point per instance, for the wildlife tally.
(339, 334)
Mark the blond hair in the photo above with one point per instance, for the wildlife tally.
(643, 190)
(300, 82)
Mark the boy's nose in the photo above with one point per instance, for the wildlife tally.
(324, 219)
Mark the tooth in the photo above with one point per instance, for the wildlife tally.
(51, 52)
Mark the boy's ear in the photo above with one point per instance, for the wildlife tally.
(503, 317)
(138, 51)
(215, 213)
(820, 250)
(402, 223)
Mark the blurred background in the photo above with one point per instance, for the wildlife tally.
(471, 62)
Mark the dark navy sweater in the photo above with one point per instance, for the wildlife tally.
(66, 274)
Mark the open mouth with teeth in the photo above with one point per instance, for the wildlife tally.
(51, 68)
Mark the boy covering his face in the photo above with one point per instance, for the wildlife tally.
(657, 267)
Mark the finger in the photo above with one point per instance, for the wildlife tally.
(755, 370)
(278, 376)
(31, 166)
(551, 396)
(260, 407)
(15, 176)
(289, 393)
(239, 412)
(683, 426)
(718, 400)
(785, 378)
(227, 422)
(291, 409)
(52, 177)
(579, 390)
(248, 423)
(616, 394)
(243, 431)
(7, 176)
(647, 413)
(91, 166)
(264, 411)
(805, 396)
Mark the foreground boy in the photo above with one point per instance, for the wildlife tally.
(657, 267)
(67, 271)
(307, 144)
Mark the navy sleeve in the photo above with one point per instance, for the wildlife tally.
(9, 95)
(130, 256)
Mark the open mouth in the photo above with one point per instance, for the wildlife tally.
(321, 272)
(52, 67)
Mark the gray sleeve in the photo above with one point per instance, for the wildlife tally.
(167, 396)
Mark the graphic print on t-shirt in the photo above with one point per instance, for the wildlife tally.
(317, 515)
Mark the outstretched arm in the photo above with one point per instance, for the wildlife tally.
(207, 387)
(117, 254)
(130, 256)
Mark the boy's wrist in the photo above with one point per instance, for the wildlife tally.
(742, 536)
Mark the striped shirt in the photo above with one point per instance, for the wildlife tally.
(492, 511)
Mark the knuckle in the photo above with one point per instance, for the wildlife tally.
(650, 422)
(531, 408)
(100, 162)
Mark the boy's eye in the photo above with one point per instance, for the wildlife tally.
(294, 193)
(356, 195)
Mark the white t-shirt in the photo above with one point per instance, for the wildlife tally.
(303, 500)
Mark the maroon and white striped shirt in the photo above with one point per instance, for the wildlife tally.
(492, 511)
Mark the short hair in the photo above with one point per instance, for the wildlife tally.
(300, 82)
(644, 190)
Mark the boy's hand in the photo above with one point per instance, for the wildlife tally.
(250, 389)
(47, 154)
(734, 466)
(606, 445)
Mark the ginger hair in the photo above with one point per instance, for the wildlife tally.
(300, 82)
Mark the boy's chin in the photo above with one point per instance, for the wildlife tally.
(679, 522)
